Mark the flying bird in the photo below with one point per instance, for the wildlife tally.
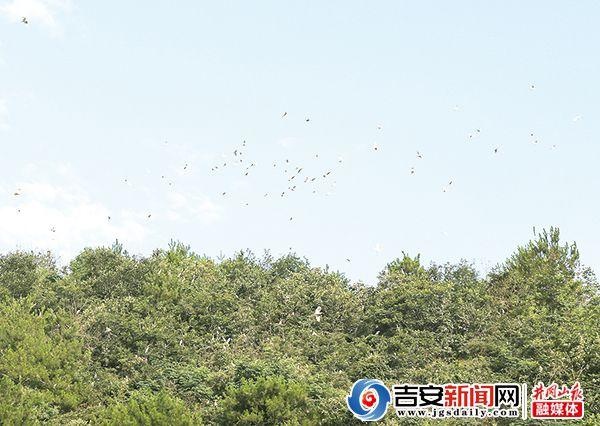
(284, 114)
(447, 187)
(24, 20)
(472, 135)
(535, 141)
(419, 155)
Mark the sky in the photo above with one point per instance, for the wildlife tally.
(111, 109)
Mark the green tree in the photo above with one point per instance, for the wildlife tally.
(267, 401)
(141, 409)
(43, 364)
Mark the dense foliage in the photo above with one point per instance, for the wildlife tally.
(178, 338)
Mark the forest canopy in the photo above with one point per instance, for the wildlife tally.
(180, 338)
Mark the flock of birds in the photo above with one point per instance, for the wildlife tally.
(297, 176)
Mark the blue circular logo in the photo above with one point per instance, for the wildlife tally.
(368, 399)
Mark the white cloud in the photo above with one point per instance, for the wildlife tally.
(38, 12)
(61, 219)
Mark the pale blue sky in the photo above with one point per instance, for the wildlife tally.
(90, 92)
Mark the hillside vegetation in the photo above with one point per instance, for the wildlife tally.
(179, 338)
